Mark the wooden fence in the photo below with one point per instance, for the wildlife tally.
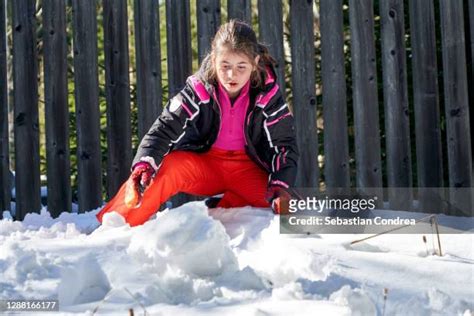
(359, 83)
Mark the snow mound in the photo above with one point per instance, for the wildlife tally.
(188, 256)
(187, 239)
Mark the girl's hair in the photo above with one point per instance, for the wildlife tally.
(238, 37)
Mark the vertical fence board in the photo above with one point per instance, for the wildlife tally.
(5, 183)
(148, 60)
(270, 23)
(56, 107)
(117, 88)
(178, 33)
(426, 105)
(304, 94)
(471, 104)
(87, 104)
(336, 142)
(25, 72)
(471, 30)
(366, 111)
(208, 21)
(456, 106)
(397, 121)
(239, 9)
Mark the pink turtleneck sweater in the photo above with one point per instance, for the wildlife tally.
(231, 132)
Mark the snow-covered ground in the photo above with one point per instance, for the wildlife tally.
(189, 261)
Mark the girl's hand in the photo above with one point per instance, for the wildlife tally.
(137, 183)
(142, 173)
(279, 199)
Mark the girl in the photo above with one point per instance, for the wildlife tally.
(227, 131)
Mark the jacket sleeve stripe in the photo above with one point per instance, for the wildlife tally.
(184, 129)
(278, 119)
(191, 115)
(187, 109)
(281, 158)
(283, 107)
(188, 98)
(200, 90)
(269, 138)
(273, 163)
(278, 163)
(264, 99)
(280, 183)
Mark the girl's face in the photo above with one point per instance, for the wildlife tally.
(234, 70)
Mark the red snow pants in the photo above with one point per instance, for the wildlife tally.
(206, 174)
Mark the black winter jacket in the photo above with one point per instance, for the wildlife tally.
(191, 121)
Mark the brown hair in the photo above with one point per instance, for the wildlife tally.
(239, 37)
